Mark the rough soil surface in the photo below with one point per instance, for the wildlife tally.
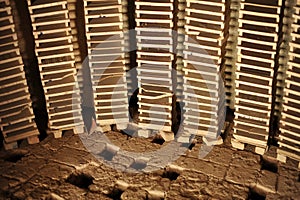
(64, 169)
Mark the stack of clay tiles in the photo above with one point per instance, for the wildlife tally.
(180, 35)
(230, 57)
(205, 28)
(105, 26)
(257, 41)
(16, 114)
(73, 24)
(54, 49)
(289, 137)
(154, 20)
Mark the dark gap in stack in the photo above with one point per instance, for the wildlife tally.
(88, 111)
(229, 116)
(133, 100)
(80, 24)
(133, 106)
(177, 113)
(176, 110)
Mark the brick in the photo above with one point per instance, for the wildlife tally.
(246, 159)
(25, 169)
(289, 172)
(205, 167)
(40, 151)
(220, 189)
(195, 176)
(75, 142)
(287, 186)
(282, 197)
(56, 171)
(241, 175)
(220, 155)
(268, 180)
(51, 143)
(70, 156)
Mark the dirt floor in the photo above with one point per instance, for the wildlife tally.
(64, 169)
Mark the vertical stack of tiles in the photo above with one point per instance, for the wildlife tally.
(258, 36)
(229, 64)
(72, 17)
(289, 137)
(283, 55)
(16, 114)
(54, 50)
(105, 37)
(71, 6)
(154, 20)
(205, 25)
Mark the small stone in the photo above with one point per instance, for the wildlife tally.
(54, 196)
(94, 188)
(121, 185)
(134, 195)
(155, 195)
(175, 168)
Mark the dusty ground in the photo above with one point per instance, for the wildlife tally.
(64, 169)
